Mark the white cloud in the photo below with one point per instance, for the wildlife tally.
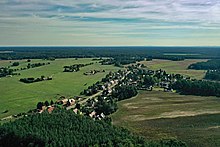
(115, 18)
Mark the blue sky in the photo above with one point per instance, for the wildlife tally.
(110, 22)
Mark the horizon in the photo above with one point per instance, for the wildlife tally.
(181, 23)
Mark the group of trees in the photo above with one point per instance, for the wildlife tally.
(32, 80)
(36, 65)
(213, 75)
(64, 128)
(46, 103)
(209, 65)
(4, 71)
(124, 92)
(75, 67)
(15, 63)
(197, 87)
(91, 89)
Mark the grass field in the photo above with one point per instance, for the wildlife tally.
(19, 97)
(176, 67)
(157, 114)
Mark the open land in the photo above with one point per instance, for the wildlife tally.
(17, 97)
(152, 114)
(159, 114)
(179, 67)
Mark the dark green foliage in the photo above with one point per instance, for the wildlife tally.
(15, 64)
(124, 92)
(209, 65)
(32, 80)
(40, 105)
(64, 128)
(106, 106)
(75, 67)
(213, 75)
(197, 87)
(115, 52)
(46, 103)
(36, 65)
(4, 71)
(149, 81)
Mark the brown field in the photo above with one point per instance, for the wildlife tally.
(158, 114)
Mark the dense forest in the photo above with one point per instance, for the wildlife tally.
(124, 92)
(64, 128)
(172, 53)
(197, 87)
(209, 65)
(213, 75)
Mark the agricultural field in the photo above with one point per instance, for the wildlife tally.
(17, 97)
(176, 67)
(157, 114)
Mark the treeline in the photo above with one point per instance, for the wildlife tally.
(33, 80)
(75, 67)
(122, 60)
(209, 65)
(36, 65)
(64, 128)
(114, 52)
(197, 87)
(212, 75)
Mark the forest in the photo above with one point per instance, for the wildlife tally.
(114, 52)
(212, 75)
(64, 128)
(209, 65)
(197, 87)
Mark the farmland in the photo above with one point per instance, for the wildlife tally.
(17, 97)
(176, 67)
(159, 114)
(151, 114)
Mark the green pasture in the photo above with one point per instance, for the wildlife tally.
(176, 67)
(19, 97)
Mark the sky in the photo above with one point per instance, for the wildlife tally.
(110, 22)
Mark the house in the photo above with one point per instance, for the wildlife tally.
(164, 84)
(92, 114)
(71, 101)
(50, 109)
(75, 110)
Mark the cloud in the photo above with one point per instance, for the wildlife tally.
(138, 19)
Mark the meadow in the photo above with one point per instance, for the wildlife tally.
(17, 97)
(157, 114)
(176, 67)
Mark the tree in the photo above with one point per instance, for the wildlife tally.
(15, 64)
(51, 102)
(46, 103)
(40, 105)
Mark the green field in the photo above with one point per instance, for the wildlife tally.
(19, 97)
(157, 114)
(176, 67)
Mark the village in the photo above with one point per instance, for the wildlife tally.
(100, 99)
